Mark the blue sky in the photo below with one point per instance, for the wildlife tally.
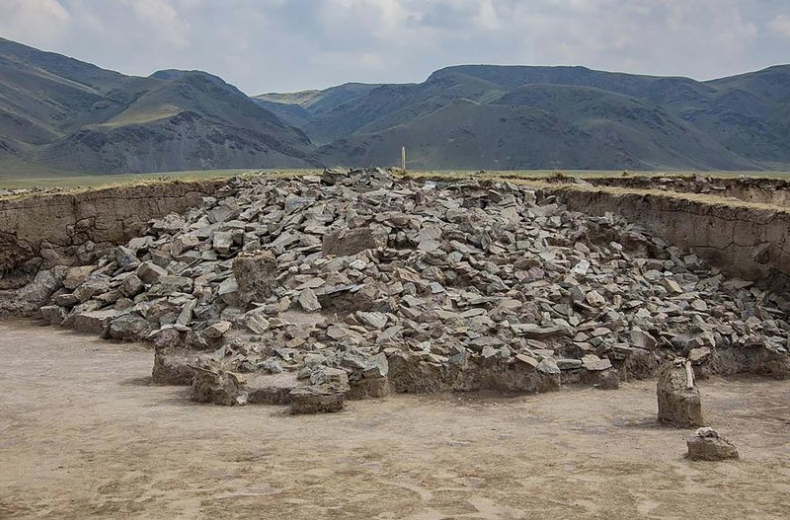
(287, 45)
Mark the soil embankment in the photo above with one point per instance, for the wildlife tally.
(38, 232)
(746, 241)
(747, 189)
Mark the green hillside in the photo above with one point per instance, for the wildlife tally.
(299, 108)
(641, 122)
(58, 114)
(61, 116)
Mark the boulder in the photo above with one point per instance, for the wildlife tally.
(66, 300)
(256, 321)
(325, 394)
(218, 386)
(168, 284)
(603, 379)
(217, 330)
(348, 242)
(149, 272)
(364, 388)
(183, 243)
(308, 301)
(94, 322)
(53, 315)
(126, 258)
(75, 276)
(315, 399)
(132, 286)
(167, 337)
(222, 242)
(91, 288)
(368, 377)
(228, 291)
(271, 388)
(332, 176)
(532, 331)
(129, 327)
(29, 299)
(173, 367)
(376, 320)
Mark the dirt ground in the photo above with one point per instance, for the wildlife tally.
(83, 435)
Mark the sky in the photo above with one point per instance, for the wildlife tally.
(289, 45)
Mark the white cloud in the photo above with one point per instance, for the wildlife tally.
(264, 45)
(40, 22)
(163, 17)
(487, 17)
(780, 25)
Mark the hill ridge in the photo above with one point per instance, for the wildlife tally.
(59, 114)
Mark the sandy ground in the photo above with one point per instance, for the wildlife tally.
(83, 435)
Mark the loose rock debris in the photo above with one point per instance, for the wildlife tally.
(353, 285)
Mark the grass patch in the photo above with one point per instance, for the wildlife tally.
(101, 181)
(535, 178)
(704, 198)
(52, 180)
(137, 118)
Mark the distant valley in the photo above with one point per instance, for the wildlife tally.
(59, 115)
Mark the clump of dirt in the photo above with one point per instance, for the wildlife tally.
(706, 444)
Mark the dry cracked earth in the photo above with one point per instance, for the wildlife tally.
(83, 435)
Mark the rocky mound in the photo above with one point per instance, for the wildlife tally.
(355, 284)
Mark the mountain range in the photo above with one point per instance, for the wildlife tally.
(60, 115)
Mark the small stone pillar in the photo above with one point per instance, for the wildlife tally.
(679, 401)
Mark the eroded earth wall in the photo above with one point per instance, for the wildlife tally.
(748, 189)
(749, 242)
(39, 232)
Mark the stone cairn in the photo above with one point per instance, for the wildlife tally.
(349, 285)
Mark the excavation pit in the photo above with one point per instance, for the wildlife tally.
(408, 286)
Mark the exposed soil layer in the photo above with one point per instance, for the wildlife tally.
(74, 228)
(749, 242)
(82, 435)
(749, 189)
(67, 228)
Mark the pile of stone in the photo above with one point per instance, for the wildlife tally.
(354, 284)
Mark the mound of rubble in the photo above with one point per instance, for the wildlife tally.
(706, 444)
(352, 285)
